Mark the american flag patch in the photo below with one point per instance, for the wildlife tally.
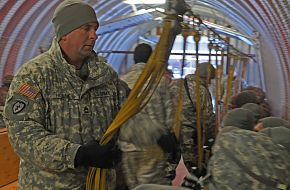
(28, 91)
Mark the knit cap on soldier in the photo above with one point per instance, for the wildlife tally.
(254, 108)
(244, 97)
(274, 122)
(279, 135)
(260, 94)
(241, 118)
(70, 15)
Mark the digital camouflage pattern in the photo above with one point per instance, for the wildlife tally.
(189, 121)
(270, 122)
(146, 166)
(158, 187)
(56, 114)
(143, 160)
(240, 154)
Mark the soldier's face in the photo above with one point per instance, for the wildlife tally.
(81, 41)
(258, 127)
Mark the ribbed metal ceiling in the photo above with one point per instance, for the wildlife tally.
(26, 30)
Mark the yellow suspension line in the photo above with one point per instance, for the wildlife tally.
(245, 61)
(229, 83)
(220, 91)
(208, 78)
(217, 123)
(198, 107)
(238, 77)
(153, 71)
(221, 75)
(242, 71)
(177, 123)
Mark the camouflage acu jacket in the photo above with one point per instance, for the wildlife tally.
(50, 112)
(143, 160)
(189, 107)
(244, 159)
(143, 130)
(189, 119)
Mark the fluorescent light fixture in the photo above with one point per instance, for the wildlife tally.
(134, 2)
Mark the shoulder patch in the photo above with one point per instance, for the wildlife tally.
(28, 91)
(18, 106)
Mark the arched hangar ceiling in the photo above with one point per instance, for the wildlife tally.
(26, 30)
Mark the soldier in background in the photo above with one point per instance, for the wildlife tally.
(252, 94)
(147, 140)
(279, 135)
(241, 118)
(262, 100)
(244, 159)
(189, 121)
(60, 104)
(271, 122)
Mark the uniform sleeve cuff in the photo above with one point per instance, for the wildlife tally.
(71, 154)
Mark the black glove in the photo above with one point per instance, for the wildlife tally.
(169, 144)
(96, 155)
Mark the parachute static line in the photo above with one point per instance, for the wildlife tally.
(148, 80)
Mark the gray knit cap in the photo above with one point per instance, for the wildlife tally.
(274, 122)
(255, 108)
(244, 97)
(279, 135)
(241, 118)
(70, 15)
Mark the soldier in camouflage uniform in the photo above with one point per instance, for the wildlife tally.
(244, 159)
(271, 122)
(279, 135)
(189, 131)
(254, 108)
(241, 118)
(60, 104)
(146, 139)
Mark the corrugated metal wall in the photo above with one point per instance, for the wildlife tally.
(26, 30)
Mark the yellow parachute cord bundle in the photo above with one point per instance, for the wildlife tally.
(229, 85)
(138, 97)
